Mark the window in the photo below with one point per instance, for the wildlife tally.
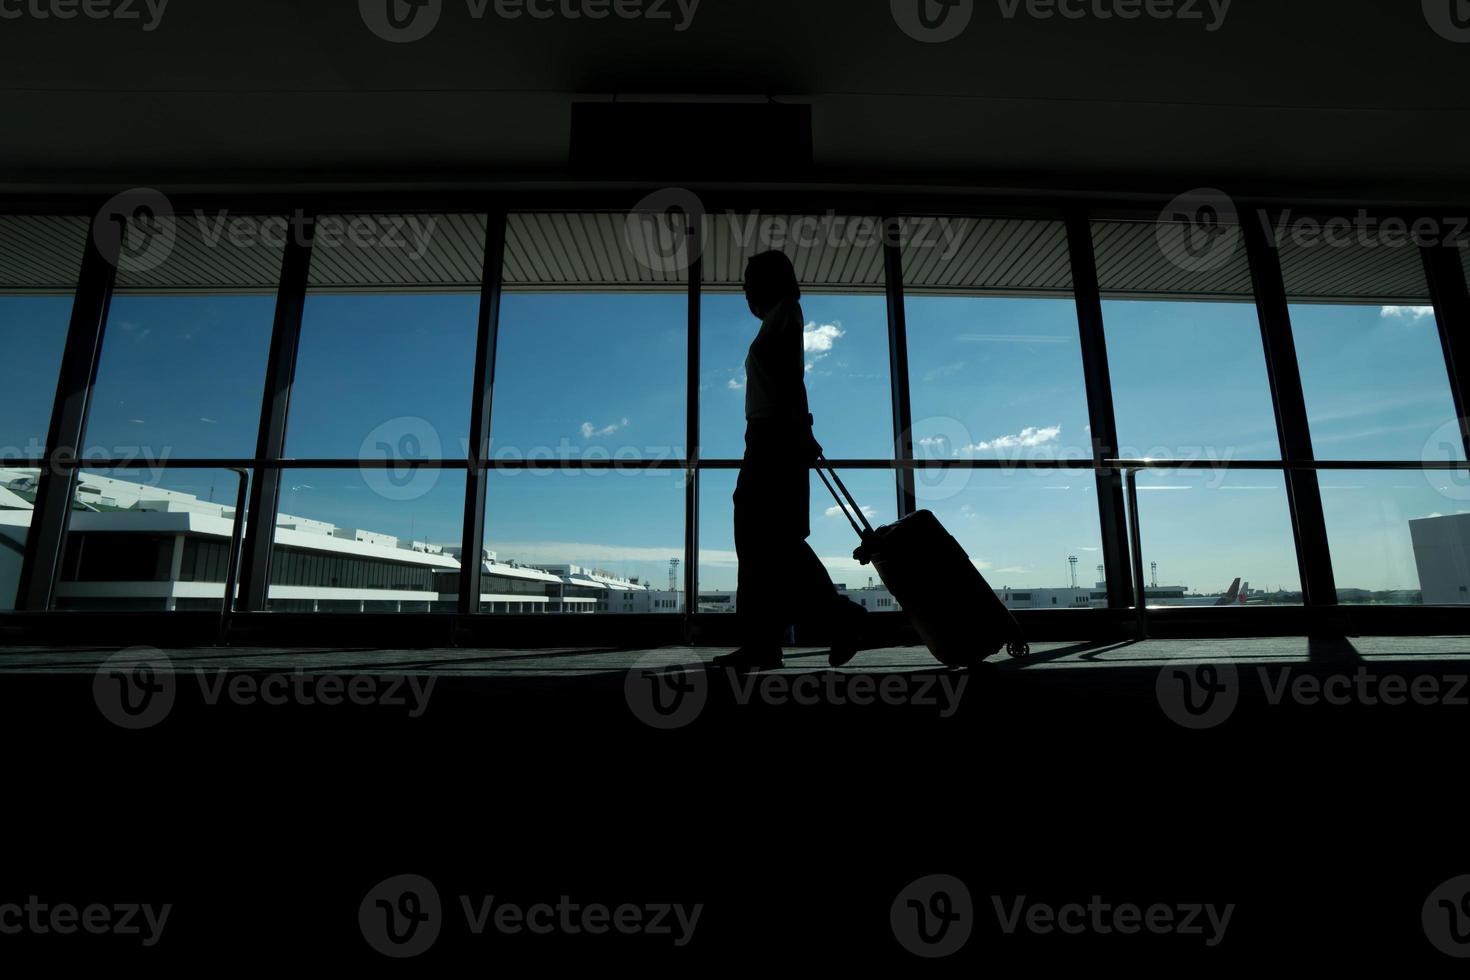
(592, 350)
(1203, 530)
(1377, 388)
(181, 374)
(148, 539)
(182, 367)
(1189, 381)
(566, 541)
(995, 373)
(1373, 369)
(1022, 528)
(839, 263)
(39, 260)
(386, 360)
(1398, 537)
(351, 540)
(995, 360)
(384, 374)
(1184, 347)
(591, 368)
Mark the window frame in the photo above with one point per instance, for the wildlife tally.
(96, 280)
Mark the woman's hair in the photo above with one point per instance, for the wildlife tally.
(770, 278)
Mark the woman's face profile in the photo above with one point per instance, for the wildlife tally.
(755, 310)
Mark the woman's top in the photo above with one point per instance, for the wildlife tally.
(775, 368)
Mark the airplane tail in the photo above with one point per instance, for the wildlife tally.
(1231, 595)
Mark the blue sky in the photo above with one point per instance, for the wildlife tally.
(581, 375)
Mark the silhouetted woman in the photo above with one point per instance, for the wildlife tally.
(781, 580)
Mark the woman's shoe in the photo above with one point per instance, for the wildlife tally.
(751, 658)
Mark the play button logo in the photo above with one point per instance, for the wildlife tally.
(933, 21)
(401, 21)
(1449, 18)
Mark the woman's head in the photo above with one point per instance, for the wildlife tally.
(769, 279)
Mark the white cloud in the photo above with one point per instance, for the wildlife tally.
(1406, 312)
(935, 443)
(735, 385)
(817, 341)
(1028, 438)
(835, 511)
(590, 431)
(820, 339)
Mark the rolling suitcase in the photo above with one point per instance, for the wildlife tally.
(956, 613)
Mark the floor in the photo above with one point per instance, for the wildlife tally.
(584, 662)
(794, 821)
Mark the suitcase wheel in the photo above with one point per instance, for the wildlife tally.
(1018, 649)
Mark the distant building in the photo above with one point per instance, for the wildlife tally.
(1442, 552)
(132, 546)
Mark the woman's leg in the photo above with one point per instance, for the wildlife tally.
(811, 584)
(758, 603)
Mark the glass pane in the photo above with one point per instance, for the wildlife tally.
(1022, 528)
(1217, 538)
(39, 261)
(1398, 537)
(1375, 381)
(839, 265)
(584, 541)
(1373, 369)
(17, 502)
(141, 539)
(184, 355)
(591, 376)
(1189, 381)
(996, 378)
(718, 565)
(995, 360)
(1184, 340)
(35, 334)
(591, 361)
(388, 337)
(351, 540)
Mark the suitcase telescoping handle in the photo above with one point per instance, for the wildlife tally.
(824, 467)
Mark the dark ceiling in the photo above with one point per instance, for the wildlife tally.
(1325, 97)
